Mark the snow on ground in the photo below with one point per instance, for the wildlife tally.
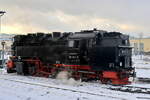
(142, 69)
(20, 89)
(142, 65)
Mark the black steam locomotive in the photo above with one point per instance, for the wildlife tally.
(89, 54)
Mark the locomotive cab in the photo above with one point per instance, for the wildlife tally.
(112, 51)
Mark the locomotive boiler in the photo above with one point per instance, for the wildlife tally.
(87, 55)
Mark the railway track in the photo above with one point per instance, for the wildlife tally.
(134, 89)
(144, 80)
(131, 89)
(101, 94)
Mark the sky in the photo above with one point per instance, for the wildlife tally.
(25, 16)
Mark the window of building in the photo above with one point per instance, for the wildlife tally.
(141, 47)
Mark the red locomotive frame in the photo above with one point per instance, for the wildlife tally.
(78, 72)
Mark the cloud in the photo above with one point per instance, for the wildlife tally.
(130, 16)
(85, 21)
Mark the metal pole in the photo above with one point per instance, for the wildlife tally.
(3, 53)
(140, 45)
(0, 23)
(2, 43)
(1, 66)
(1, 14)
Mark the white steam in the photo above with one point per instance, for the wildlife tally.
(64, 77)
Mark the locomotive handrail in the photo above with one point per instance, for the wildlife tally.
(125, 46)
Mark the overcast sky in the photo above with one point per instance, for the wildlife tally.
(128, 16)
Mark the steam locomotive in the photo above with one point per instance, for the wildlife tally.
(87, 55)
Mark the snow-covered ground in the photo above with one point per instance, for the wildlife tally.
(15, 87)
(142, 65)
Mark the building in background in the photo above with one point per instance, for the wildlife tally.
(140, 45)
(7, 38)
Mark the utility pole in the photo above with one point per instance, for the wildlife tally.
(3, 52)
(1, 14)
(141, 45)
(2, 43)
